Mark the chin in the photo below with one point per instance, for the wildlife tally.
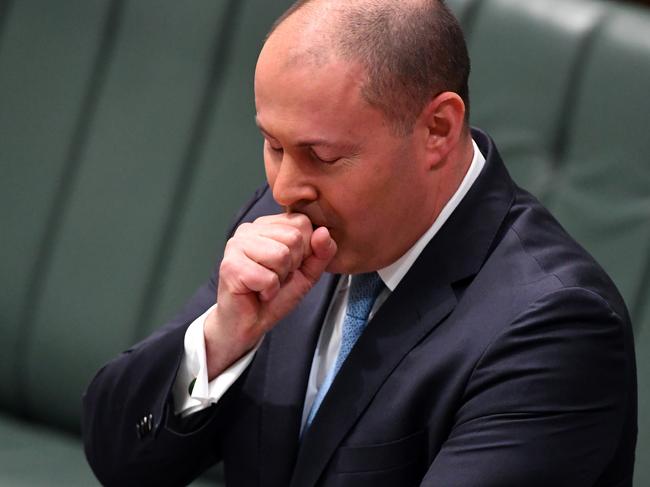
(338, 265)
(342, 264)
(334, 268)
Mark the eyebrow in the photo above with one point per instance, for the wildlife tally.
(310, 142)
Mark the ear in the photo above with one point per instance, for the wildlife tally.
(443, 124)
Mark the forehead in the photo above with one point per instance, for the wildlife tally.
(306, 81)
(307, 95)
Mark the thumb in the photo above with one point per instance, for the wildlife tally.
(323, 251)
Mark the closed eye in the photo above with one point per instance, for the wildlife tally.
(275, 149)
(324, 160)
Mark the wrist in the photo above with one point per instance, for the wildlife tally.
(222, 348)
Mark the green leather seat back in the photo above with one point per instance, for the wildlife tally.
(132, 161)
(43, 87)
(229, 168)
(602, 193)
(525, 57)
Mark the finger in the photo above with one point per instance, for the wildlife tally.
(269, 245)
(324, 249)
(270, 293)
(298, 221)
(241, 275)
(273, 255)
(295, 219)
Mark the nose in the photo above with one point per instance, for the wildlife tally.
(290, 184)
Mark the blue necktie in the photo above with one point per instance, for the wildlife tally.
(364, 290)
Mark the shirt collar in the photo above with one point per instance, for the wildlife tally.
(395, 272)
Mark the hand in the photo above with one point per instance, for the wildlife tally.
(267, 268)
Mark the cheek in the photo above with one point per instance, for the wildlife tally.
(355, 217)
(370, 214)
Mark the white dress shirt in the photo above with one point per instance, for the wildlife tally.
(194, 365)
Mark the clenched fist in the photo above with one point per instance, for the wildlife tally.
(268, 267)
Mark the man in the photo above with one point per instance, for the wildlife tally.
(391, 309)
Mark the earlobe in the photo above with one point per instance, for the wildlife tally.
(444, 119)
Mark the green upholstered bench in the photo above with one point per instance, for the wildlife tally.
(128, 141)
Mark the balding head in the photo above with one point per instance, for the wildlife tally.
(411, 50)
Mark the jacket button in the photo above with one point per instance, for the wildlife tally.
(144, 426)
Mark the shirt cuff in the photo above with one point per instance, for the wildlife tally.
(193, 373)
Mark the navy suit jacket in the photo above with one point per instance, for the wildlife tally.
(503, 358)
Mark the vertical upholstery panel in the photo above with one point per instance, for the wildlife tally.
(46, 63)
(229, 169)
(119, 206)
(523, 60)
(602, 194)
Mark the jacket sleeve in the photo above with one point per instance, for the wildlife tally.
(547, 402)
(131, 436)
(127, 432)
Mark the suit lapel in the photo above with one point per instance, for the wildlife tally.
(291, 349)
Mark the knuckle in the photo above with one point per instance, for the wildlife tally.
(283, 255)
(295, 238)
(243, 228)
(263, 218)
(303, 221)
(271, 280)
(230, 244)
(227, 268)
(233, 247)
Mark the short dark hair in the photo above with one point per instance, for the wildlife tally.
(412, 51)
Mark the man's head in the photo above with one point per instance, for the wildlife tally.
(411, 50)
(365, 129)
